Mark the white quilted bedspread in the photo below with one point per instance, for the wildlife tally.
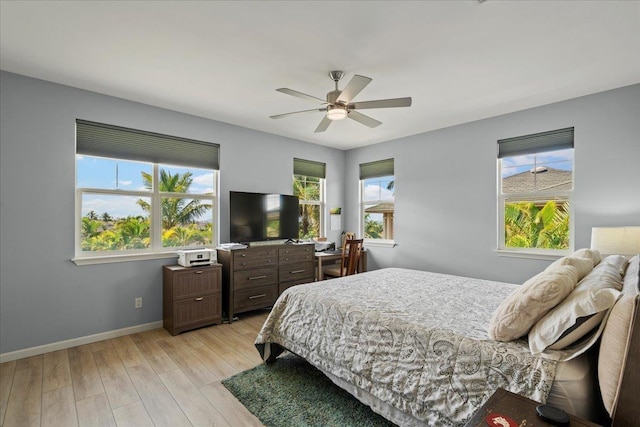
(414, 339)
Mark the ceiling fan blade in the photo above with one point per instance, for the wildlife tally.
(315, 110)
(381, 103)
(301, 95)
(324, 124)
(353, 88)
(365, 120)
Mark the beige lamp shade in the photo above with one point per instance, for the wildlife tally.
(616, 240)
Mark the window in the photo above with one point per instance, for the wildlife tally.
(308, 185)
(377, 200)
(142, 193)
(535, 187)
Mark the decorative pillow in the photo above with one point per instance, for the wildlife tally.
(583, 265)
(592, 254)
(526, 305)
(595, 294)
(616, 337)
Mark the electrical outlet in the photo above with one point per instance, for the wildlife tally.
(139, 302)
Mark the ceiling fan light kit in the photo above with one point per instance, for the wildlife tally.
(339, 105)
(337, 113)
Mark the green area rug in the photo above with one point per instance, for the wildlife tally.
(291, 392)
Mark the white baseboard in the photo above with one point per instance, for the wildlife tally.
(74, 342)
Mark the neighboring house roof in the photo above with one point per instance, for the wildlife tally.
(543, 178)
(381, 208)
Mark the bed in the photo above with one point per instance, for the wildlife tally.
(415, 346)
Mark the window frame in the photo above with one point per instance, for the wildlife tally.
(155, 250)
(503, 198)
(320, 203)
(363, 206)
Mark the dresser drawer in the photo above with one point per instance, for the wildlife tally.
(259, 297)
(299, 270)
(255, 277)
(293, 253)
(195, 282)
(205, 309)
(252, 258)
(283, 286)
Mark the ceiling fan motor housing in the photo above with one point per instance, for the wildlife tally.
(332, 96)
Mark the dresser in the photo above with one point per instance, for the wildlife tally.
(192, 297)
(254, 277)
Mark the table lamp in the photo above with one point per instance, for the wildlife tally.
(616, 240)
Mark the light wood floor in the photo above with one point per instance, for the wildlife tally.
(144, 379)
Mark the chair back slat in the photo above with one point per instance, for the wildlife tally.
(351, 257)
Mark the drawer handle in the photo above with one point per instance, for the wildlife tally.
(199, 299)
(268, 261)
(198, 272)
(243, 255)
(257, 296)
(298, 271)
(257, 277)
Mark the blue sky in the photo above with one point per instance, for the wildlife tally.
(376, 188)
(100, 173)
(560, 159)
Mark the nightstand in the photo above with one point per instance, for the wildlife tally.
(518, 408)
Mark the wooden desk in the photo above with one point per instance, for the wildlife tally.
(323, 258)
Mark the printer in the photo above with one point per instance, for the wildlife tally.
(325, 246)
(196, 257)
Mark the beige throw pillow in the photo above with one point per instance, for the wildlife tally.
(595, 294)
(592, 254)
(526, 305)
(583, 265)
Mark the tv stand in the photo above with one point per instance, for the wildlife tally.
(254, 277)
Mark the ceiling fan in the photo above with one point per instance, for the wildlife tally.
(338, 105)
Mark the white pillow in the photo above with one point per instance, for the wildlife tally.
(617, 261)
(632, 273)
(582, 327)
(595, 294)
(517, 313)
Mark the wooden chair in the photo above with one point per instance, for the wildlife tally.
(349, 261)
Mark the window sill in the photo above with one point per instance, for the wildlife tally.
(551, 256)
(107, 259)
(379, 243)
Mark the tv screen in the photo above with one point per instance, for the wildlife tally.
(257, 216)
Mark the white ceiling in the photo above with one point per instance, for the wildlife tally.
(459, 60)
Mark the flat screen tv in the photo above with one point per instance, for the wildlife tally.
(259, 217)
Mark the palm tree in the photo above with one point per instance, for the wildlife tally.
(133, 232)
(307, 188)
(528, 225)
(175, 210)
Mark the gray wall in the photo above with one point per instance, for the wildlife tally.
(44, 297)
(446, 184)
(445, 197)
